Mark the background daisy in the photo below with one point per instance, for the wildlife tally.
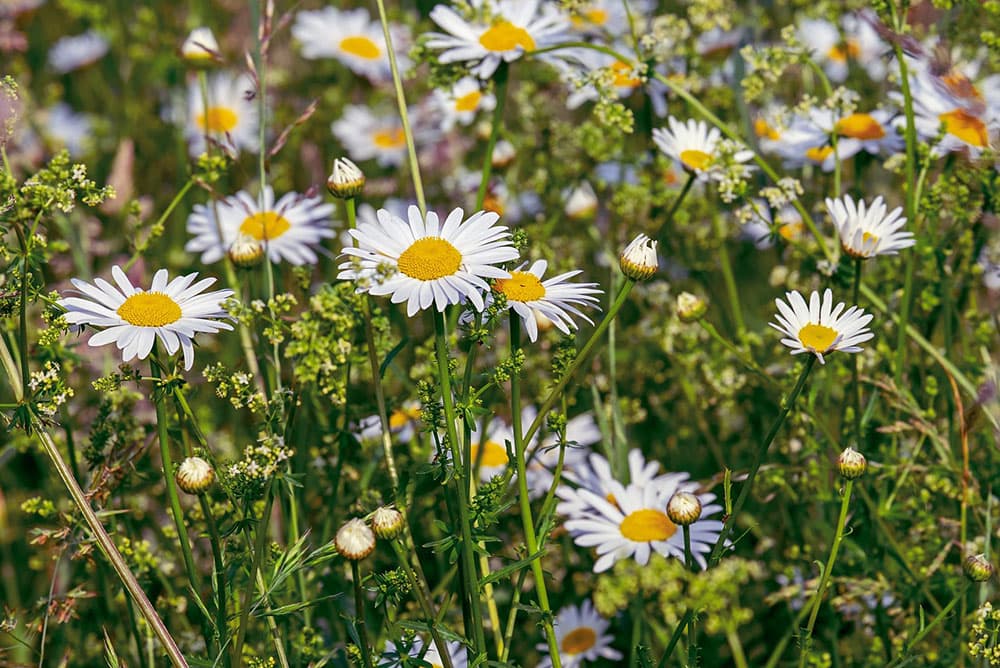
(695, 146)
(71, 53)
(229, 119)
(556, 299)
(365, 136)
(866, 230)
(820, 327)
(582, 635)
(351, 37)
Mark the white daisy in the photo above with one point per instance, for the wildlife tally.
(624, 77)
(229, 119)
(555, 298)
(402, 424)
(969, 123)
(819, 327)
(867, 230)
(68, 128)
(833, 51)
(434, 263)
(763, 227)
(695, 146)
(391, 657)
(351, 37)
(365, 135)
(594, 474)
(636, 524)
(582, 635)
(462, 102)
(132, 318)
(289, 228)
(581, 202)
(501, 31)
(72, 53)
(872, 132)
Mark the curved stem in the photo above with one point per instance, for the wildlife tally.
(359, 615)
(902, 657)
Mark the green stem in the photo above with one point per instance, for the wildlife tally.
(256, 557)
(527, 521)
(824, 581)
(219, 566)
(901, 658)
(418, 588)
(856, 361)
(729, 279)
(692, 630)
(163, 217)
(359, 615)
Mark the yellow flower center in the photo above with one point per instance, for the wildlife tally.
(791, 231)
(966, 127)
(149, 309)
(429, 258)
(469, 101)
(217, 119)
(860, 126)
(623, 75)
(646, 525)
(401, 417)
(841, 52)
(388, 139)
(494, 454)
(762, 129)
(819, 153)
(578, 640)
(817, 337)
(265, 225)
(869, 238)
(360, 46)
(522, 286)
(505, 36)
(695, 159)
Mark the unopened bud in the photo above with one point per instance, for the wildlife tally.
(194, 475)
(354, 540)
(684, 509)
(387, 522)
(978, 568)
(581, 203)
(852, 464)
(201, 49)
(638, 260)
(346, 180)
(690, 308)
(246, 252)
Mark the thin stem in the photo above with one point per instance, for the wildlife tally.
(256, 558)
(527, 521)
(163, 217)
(219, 568)
(901, 658)
(824, 581)
(359, 615)
(692, 630)
(856, 361)
(729, 279)
(418, 589)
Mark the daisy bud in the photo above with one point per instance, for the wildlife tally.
(581, 203)
(201, 49)
(246, 252)
(638, 260)
(354, 540)
(690, 308)
(346, 180)
(195, 475)
(852, 464)
(978, 568)
(387, 522)
(503, 154)
(684, 509)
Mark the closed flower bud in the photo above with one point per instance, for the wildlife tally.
(246, 252)
(638, 260)
(201, 49)
(690, 308)
(581, 203)
(387, 522)
(684, 509)
(503, 154)
(346, 180)
(852, 464)
(195, 475)
(354, 540)
(978, 568)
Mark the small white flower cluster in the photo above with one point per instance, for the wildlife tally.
(48, 389)
(260, 462)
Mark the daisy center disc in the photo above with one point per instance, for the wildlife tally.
(695, 159)
(791, 231)
(869, 238)
(860, 126)
(522, 286)
(647, 525)
(469, 101)
(217, 119)
(360, 46)
(265, 225)
(966, 127)
(494, 454)
(841, 52)
(817, 337)
(389, 138)
(505, 36)
(819, 153)
(761, 128)
(429, 258)
(623, 75)
(578, 640)
(401, 417)
(149, 309)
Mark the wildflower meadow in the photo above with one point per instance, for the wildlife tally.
(499, 333)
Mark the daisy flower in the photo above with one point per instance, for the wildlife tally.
(820, 328)
(624, 78)
(365, 135)
(72, 53)
(289, 228)
(866, 230)
(764, 226)
(512, 29)
(133, 318)
(556, 298)
(636, 524)
(695, 146)
(871, 132)
(968, 121)
(434, 263)
(462, 102)
(229, 118)
(391, 658)
(351, 37)
(833, 51)
(201, 47)
(402, 424)
(582, 635)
